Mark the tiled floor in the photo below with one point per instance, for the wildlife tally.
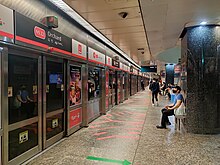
(128, 132)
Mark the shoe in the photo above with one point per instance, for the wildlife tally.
(157, 103)
(160, 127)
(168, 123)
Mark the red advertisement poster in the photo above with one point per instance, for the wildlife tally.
(75, 85)
(107, 83)
(75, 117)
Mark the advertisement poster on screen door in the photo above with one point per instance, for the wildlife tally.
(75, 86)
(75, 117)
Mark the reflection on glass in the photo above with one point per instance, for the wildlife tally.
(54, 125)
(93, 83)
(111, 87)
(22, 88)
(22, 139)
(75, 85)
(119, 82)
(55, 87)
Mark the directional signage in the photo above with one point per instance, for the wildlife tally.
(6, 24)
(152, 68)
(78, 49)
(36, 34)
(115, 63)
(96, 57)
(108, 61)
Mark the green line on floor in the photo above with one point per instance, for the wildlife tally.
(125, 162)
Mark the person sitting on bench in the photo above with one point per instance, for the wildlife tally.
(169, 109)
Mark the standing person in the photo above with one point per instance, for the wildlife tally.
(142, 84)
(163, 87)
(155, 88)
(169, 109)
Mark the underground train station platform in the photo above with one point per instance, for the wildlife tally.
(127, 134)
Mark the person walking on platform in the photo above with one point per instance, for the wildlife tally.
(142, 84)
(155, 88)
(169, 109)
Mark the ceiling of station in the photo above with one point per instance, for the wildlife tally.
(163, 20)
(127, 33)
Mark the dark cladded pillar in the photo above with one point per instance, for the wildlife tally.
(169, 73)
(201, 56)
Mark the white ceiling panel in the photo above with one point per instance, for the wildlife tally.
(165, 19)
(155, 17)
(127, 33)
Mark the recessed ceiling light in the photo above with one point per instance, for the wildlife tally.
(203, 23)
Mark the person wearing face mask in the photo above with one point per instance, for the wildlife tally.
(169, 109)
(155, 89)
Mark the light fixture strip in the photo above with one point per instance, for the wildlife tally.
(68, 10)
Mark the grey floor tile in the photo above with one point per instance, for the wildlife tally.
(131, 134)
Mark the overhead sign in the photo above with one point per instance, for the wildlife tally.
(135, 71)
(78, 49)
(108, 61)
(30, 32)
(6, 24)
(177, 68)
(131, 69)
(122, 66)
(127, 68)
(115, 63)
(96, 57)
(152, 68)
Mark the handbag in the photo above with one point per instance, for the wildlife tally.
(181, 110)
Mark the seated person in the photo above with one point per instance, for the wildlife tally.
(163, 87)
(169, 109)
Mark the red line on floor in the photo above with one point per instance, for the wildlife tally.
(107, 137)
(122, 113)
(101, 122)
(110, 120)
(92, 126)
(130, 122)
(108, 128)
(100, 133)
(109, 115)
